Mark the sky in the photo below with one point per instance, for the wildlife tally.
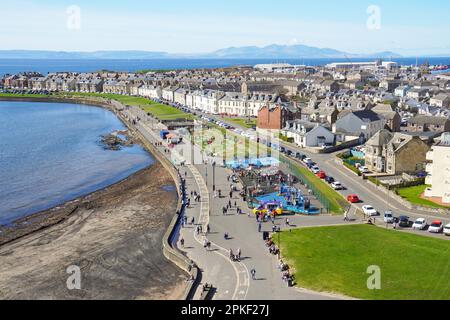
(410, 28)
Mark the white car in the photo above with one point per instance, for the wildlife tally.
(436, 227)
(388, 217)
(307, 160)
(419, 224)
(447, 230)
(364, 170)
(369, 211)
(315, 169)
(337, 185)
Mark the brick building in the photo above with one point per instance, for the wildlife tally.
(275, 116)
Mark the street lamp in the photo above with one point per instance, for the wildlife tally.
(214, 175)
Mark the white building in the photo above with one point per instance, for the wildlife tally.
(439, 170)
(168, 93)
(308, 135)
(233, 103)
(151, 92)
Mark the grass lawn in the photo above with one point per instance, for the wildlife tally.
(243, 122)
(160, 111)
(412, 195)
(15, 95)
(335, 200)
(335, 259)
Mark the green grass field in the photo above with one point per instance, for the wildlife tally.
(160, 111)
(15, 95)
(335, 259)
(336, 201)
(412, 195)
(242, 122)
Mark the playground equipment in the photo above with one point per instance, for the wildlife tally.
(286, 200)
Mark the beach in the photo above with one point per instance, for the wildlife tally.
(113, 235)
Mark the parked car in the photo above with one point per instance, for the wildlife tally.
(436, 227)
(419, 224)
(369, 211)
(389, 217)
(447, 230)
(363, 170)
(321, 174)
(336, 185)
(307, 160)
(353, 198)
(403, 222)
(315, 169)
(329, 179)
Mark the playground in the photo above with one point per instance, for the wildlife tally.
(288, 200)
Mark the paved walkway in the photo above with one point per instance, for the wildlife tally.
(231, 279)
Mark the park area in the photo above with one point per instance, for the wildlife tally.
(157, 110)
(336, 259)
(242, 122)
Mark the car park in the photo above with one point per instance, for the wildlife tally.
(353, 198)
(447, 230)
(403, 222)
(419, 224)
(436, 227)
(369, 211)
(389, 217)
(336, 185)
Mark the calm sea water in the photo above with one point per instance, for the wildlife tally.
(13, 66)
(50, 154)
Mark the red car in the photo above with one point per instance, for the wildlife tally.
(353, 198)
(321, 175)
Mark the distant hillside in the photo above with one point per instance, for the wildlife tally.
(251, 52)
(293, 52)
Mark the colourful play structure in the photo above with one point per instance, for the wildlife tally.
(288, 200)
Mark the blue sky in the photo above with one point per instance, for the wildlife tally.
(407, 27)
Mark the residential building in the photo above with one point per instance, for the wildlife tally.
(428, 123)
(388, 152)
(438, 170)
(275, 116)
(308, 134)
(359, 124)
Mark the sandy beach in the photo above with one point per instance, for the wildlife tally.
(113, 235)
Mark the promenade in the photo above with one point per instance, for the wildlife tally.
(231, 280)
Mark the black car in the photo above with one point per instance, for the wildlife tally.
(289, 153)
(404, 222)
(330, 180)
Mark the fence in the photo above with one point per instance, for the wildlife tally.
(308, 182)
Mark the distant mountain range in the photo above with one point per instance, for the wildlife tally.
(251, 52)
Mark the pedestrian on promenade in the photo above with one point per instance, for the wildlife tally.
(239, 254)
(231, 254)
(253, 272)
(287, 221)
(229, 204)
(259, 227)
(192, 220)
(182, 242)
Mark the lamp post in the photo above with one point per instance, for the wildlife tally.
(214, 175)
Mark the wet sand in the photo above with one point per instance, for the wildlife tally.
(114, 235)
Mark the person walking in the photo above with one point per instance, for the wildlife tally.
(239, 254)
(253, 272)
(182, 242)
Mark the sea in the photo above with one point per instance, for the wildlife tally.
(51, 153)
(14, 66)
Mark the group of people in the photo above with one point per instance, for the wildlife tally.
(235, 257)
(286, 275)
(273, 249)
